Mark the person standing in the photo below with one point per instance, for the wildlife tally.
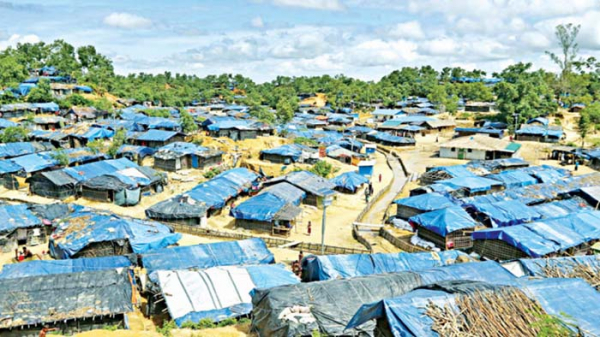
(300, 257)
(309, 228)
(379, 177)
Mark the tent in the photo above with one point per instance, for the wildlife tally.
(444, 221)
(349, 181)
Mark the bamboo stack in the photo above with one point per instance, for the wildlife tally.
(584, 271)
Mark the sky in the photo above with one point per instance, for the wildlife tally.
(262, 39)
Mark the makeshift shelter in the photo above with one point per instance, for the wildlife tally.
(17, 149)
(181, 156)
(447, 228)
(156, 138)
(435, 174)
(469, 186)
(19, 226)
(382, 115)
(227, 253)
(80, 114)
(410, 315)
(558, 236)
(71, 303)
(491, 132)
(90, 234)
(328, 306)
(478, 147)
(349, 182)
(136, 154)
(316, 187)
(328, 267)
(291, 153)
(209, 197)
(388, 139)
(515, 178)
(53, 267)
(274, 210)
(535, 133)
(229, 289)
(504, 213)
(570, 266)
(560, 208)
(412, 206)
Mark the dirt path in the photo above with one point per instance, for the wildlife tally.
(376, 213)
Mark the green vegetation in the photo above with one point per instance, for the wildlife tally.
(306, 141)
(96, 145)
(212, 172)
(187, 122)
(551, 325)
(166, 328)
(321, 168)
(118, 140)
(530, 93)
(13, 134)
(61, 157)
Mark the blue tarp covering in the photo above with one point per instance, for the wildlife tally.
(473, 184)
(535, 267)
(83, 88)
(456, 171)
(389, 138)
(539, 131)
(262, 207)
(156, 135)
(294, 151)
(444, 221)
(507, 213)
(573, 300)
(4, 123)
(183, 148)
(286, 191)
(17, 216)
(51, 267)
(326, 267)
(350, 181)
(141, 151)
(546, 174)
(84, 228)
(514, 178)
(262, 276)
(426, 202)
(96, 133)
(549, 236)
(562, 207)
(481, 130)
(8, 150)
(7, 166)
(228, 253)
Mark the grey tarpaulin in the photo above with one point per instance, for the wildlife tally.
(52, 298)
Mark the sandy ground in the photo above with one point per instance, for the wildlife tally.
(340, 215)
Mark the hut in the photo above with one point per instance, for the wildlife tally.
(415, 205)
(316, 188)
(156, 138)
(137, 154)
(349, 182)
(273, 210)
(290, 153)
(81, 114)
(382, 115)
(70, 303)
(94, 234)
(478, 147)
(447, 228)
(181, 156)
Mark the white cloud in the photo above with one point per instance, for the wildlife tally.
(331, 5)
(407, 30)
(127, 21)
(442, 46)
(257, 22)
(14, 39)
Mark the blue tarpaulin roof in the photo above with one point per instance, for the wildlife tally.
(138, 150)
(387, 112)
(186, 292)
(539, 131)
(4, 123)
(51, 267)
(536, 267)
(286, 191)
(456, 171)
(262, 207)
(156, 135)
(514, 178)
(473, 184)
(572, 300)
(228, 253)
(561, 207)
(17, 216)
(326, 267)
(540, 238)
(389, 138)
(444, 221)
(507, 213)
(83, 228)
(350, 181)
(426, 202)
(183, 148)
(293, 151)
(8, 150)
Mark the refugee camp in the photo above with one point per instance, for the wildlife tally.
(283, 168)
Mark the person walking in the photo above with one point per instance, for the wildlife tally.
(379, 177)
(309, 228)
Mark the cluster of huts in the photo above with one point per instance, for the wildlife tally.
(505, 209)
(105, 265)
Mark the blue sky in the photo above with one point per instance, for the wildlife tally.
(266, 38)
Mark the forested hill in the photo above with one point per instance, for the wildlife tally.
(520, 88)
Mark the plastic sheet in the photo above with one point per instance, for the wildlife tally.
(444, 221)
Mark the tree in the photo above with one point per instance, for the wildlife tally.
(285, 110)
(583, 125)
(321, 168)
(566, 36)
(13, 134)
(60, 156)
(40, 94)
(118, 140)
(11, 71)
(96, 145)
(187, 122)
